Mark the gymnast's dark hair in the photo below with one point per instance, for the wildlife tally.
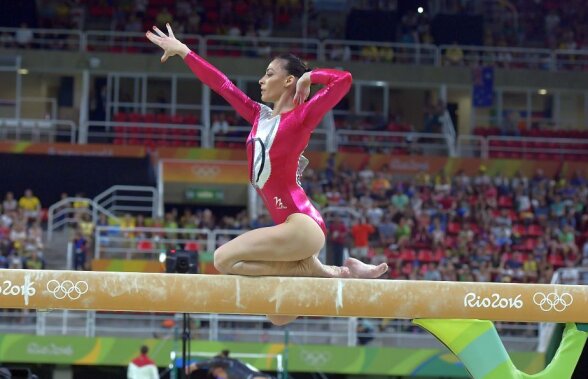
(294, 65)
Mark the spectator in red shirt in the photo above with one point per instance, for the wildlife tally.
(142, 367)
(338, 232)
(361, 232)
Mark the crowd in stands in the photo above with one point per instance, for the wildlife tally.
(545, 24)
(464, 228)
(21, 233)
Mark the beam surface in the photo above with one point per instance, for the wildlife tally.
(114, 291)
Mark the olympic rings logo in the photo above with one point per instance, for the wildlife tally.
(67, 288)
(315, 358)
(206, 171)
(553, 301)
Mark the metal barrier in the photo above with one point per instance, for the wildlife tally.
(571, 60)
(402, 143)
(331, 49)
(260, 47)
(47, 39)
(507, 57)
(218, 327)
(537, 147)
(37, 130)
(129, 42)
(147, 133)
(121, 199)
(370, 51)
(70, 210)
(472, 146)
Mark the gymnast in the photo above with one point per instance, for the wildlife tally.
(275, 145)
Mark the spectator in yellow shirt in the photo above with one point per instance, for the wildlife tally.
(30, 205)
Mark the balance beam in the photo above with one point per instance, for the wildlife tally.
(145, 292)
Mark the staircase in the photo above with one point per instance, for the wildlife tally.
(55, 253)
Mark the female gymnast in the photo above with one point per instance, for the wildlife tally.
(275, 145)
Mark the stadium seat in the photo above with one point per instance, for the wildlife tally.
(192, 246)
(145, 245)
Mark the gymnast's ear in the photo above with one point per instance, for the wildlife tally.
(290, 80)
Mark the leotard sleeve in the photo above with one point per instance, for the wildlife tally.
(219, 83)
(336, 85)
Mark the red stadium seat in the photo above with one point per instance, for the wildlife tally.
(407, 255)
(453, 228)
(535, 230)
(505, 202)
(145, 245)
(192, 246)
(425, 256)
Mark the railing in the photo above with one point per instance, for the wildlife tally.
(449, 132)
(37, 130)
(506, 57)
(70, 210)
(122, 199)
(218, 327)
(336, 50)
(46, 39)
(537, 147)
(129, 42)
(235, 137)
(262, 47)
(149, 243)
(392, 142)
(571, 60)
(369, 51)
(147, 133)
(472, 146)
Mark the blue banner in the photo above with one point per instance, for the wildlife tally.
(483, 91)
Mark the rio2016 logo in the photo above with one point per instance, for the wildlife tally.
(471, 300)
(25, 290)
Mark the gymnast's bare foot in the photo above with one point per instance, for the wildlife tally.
(313, 267)
(361, 270)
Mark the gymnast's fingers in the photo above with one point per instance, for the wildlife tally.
(159, 32)
(169, 30)
(153, 38)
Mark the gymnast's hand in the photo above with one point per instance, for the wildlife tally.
(302, 89)
(170, 45)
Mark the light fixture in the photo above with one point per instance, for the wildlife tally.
(542, 91)
(420, 9)
(23, 71)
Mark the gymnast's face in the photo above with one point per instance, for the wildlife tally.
(276, 81)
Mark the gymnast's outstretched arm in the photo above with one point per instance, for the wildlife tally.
(206, 72)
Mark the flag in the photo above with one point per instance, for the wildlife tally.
(483, 90)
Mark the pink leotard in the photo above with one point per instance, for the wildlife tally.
(275, 144)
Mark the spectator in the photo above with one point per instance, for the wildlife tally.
(80, 251)
(142, 367)
(9, 205)
(365, 331)
(337, 235)
(34, 262)
(454, 55)
(30, 205)
(361, 232)
(24, 36)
